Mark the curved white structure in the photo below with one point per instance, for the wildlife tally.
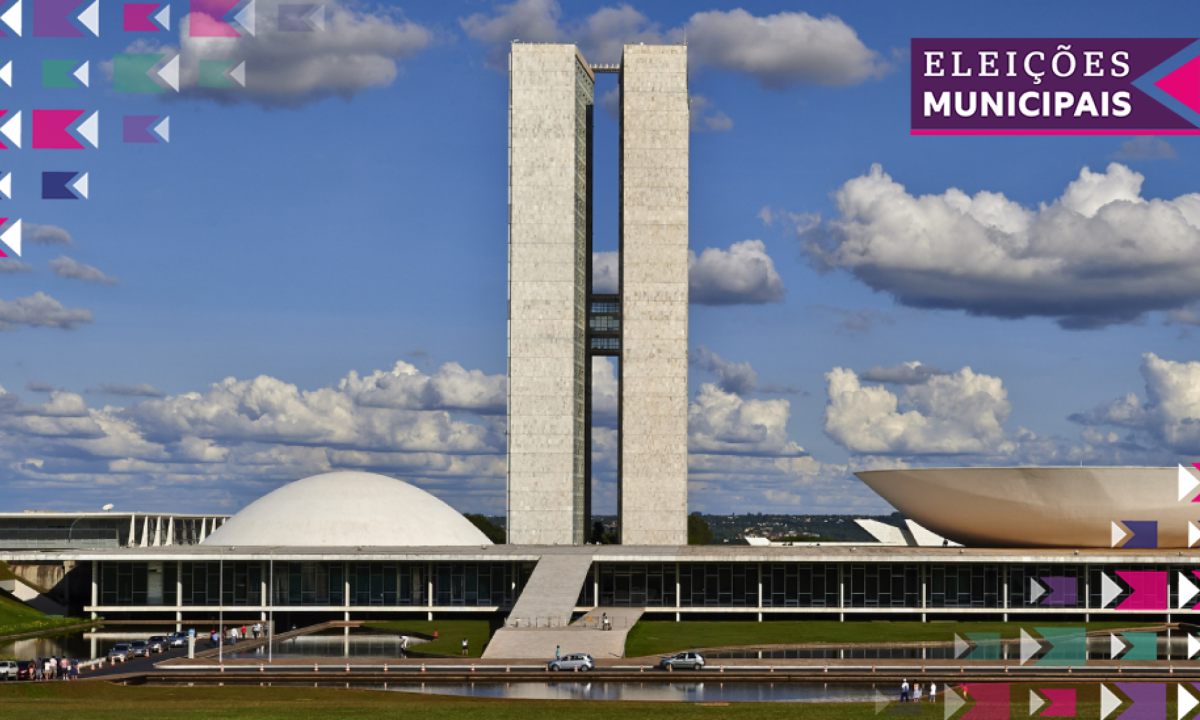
(1073, 507)
(344, 509)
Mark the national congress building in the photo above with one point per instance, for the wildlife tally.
(556, 324)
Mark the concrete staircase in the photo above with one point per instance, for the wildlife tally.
(550, 595)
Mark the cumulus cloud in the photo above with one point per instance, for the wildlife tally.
(356, 51)
(605, 392)
(138, 390)
(12, 266)
(1099, 254)
(723, 423)
(909, 373)
(1169, 414)
(732, 377)
(41, 310)
(37, 386)
(776, 51)
(44, 235)
(65, 267)
(1145, 147)
(742, 275)
(948, 415)
(705, 117)
(452, 387)
(606, 272)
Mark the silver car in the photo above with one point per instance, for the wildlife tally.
(120, 651)
(580, 662)
(689, 660)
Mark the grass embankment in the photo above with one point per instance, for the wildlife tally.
(101, 701)
(450, 634)
(17, 618)
(658, 638)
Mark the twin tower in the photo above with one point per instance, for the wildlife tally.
(556, 324)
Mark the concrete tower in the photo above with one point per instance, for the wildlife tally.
(555, 323)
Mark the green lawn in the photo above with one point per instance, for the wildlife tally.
(450, 634)
(658, 638)
(100, 701)
(17, 618)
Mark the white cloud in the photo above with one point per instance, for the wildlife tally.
(705, 117)
(138, 390)
(356, 51)
(605, 392)
(776, 51)
(65, 267)
(722, 423)
(742, 275)
(1145, 147)
(12, 266)
(606, 272)
(1170, 411)
(405, 387)
(44, 235)
(858, 322)
(732, 377)
(950, 414)
(1099, 254)
(909, 373)
(41, 310)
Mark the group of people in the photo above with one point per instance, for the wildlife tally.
(55, 668)
(234, 633)
(915, 695)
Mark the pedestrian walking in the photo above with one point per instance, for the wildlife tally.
(464, 647)
(38, 670)
(917, 693)
(932, 692)
(64, 667)
(403, 642)
(557, 652)
(75, 670)
(904, 691)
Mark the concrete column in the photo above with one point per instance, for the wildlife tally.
(841, 594)
(203, 534)
(158, 531)
(145, 530)
(760, 597)
(262, 597)
(179, 585)
(171, 531)
(178, 621)
(95, 590)
(1005, 570)
(1087, 593)
(132, 531)
(346, 587)
(596, 581)
(678, 599)
(429, 586)
(924, 588)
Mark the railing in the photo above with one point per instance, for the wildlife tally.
(57, 539)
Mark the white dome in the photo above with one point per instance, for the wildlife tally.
(343, 509)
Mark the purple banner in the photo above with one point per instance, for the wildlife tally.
(978, 86)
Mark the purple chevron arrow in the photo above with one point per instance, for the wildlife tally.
(1149, 701)
(1063, 591)
(136, 128)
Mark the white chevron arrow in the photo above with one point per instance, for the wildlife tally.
(1029, 646)
(81, 186)
(961, 647)
(12, 130)
(6, 73)
(1115, 646)
(1193, 533)
(1193, 646)
(90, 129)
(91, 18)
(6, 186)
(170, 73)
(164, 128)
(1187, 483)
(12, 237)
(164, 17)
(1118, 534)
(245, 17)
(1185, 702)
(12, 18)
(82, 73)
(1035, 590)
(1109, 590)
(1108, 702)
(1187, 591)
(953, 703)
(1035, 702)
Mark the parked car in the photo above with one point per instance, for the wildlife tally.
(8, 669)
(121, 651)
(177, 639)
(158, 643)
(689, 660)
(580, 662)
(141, 648)
(25, 669)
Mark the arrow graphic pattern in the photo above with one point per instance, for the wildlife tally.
(69, 74)
(12, 236)
(64, 186)
(12, 18)
(11, 129)
(137, 128)
(1149, 590)
(55, 129)
(53, 18)
(301, 17)
(134, 73)
(215, 18)
(222, 74)
(141, 17)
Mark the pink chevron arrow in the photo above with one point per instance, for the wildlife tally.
(1062, 702)
(50, 129)
(137, 17)
(1149, 590)
(991, 701)
(208, 18)
(1183, 84)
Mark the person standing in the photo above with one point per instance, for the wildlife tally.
(403, 643)
(604, 621)
(464, 647)
(557, 652)
(64, 667)
(933, 692)
(904, 691)
(917, 693)
(37, 669)
(75, 670)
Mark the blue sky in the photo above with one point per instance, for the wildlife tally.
(347, 212)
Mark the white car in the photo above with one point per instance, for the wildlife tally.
(8, 669)
(576, 663)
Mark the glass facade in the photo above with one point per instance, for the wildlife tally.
(921, 587)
